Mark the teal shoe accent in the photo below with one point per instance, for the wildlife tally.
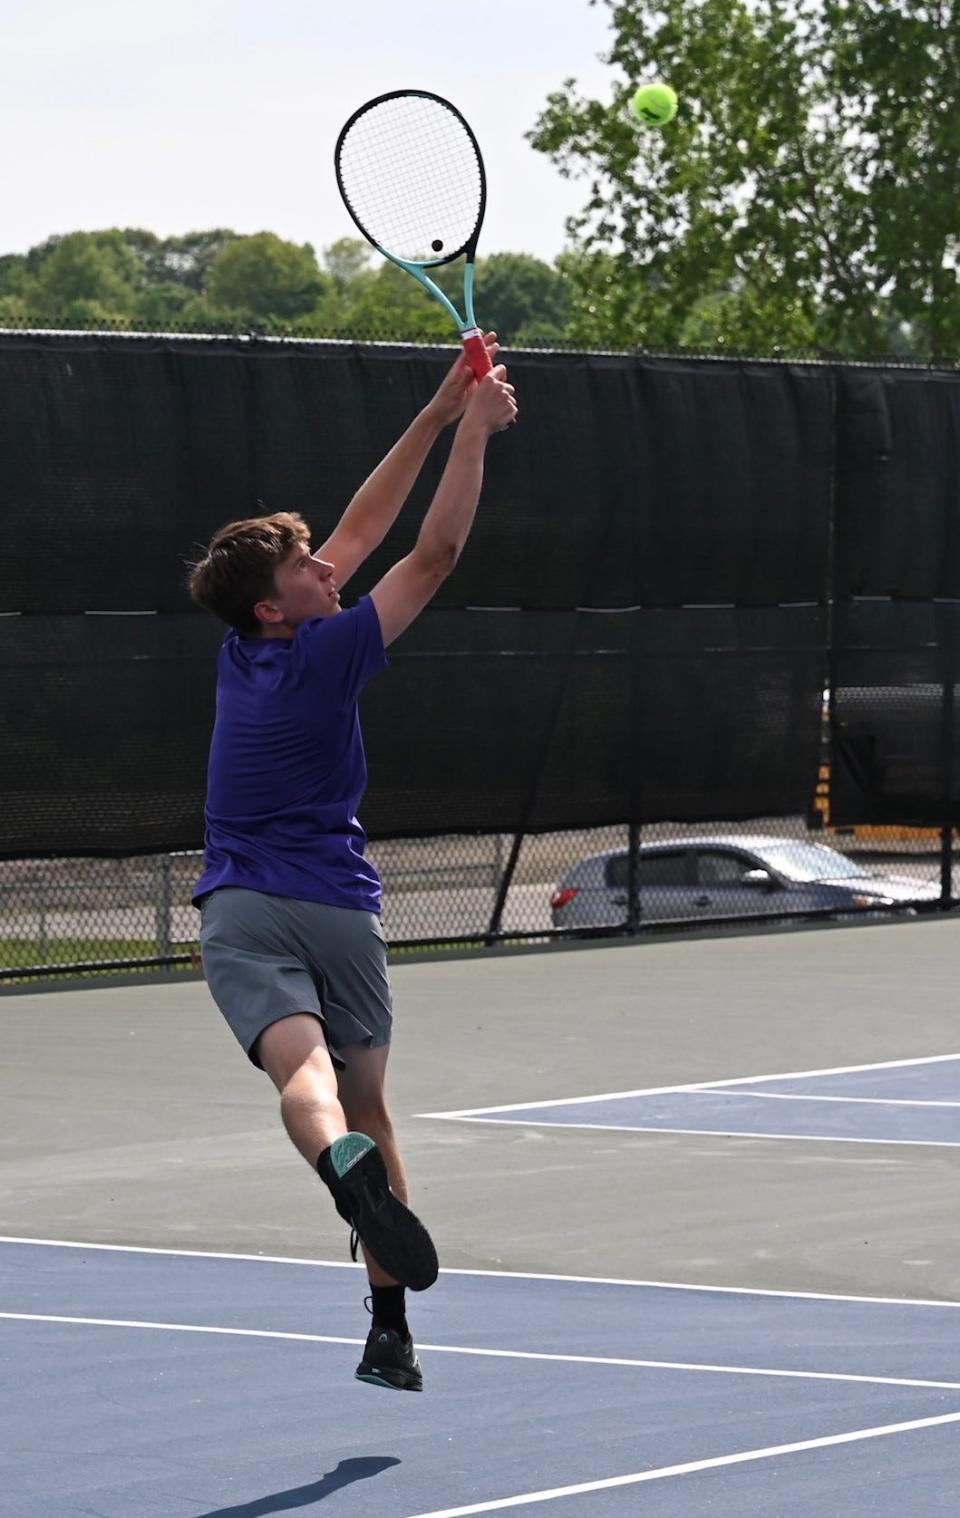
(347, 1149)
(379, 1381)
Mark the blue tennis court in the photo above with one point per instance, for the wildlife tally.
(203, 1385)
(912, 1102)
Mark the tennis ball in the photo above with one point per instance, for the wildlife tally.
(654, 104)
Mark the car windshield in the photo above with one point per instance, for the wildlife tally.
(808, 861)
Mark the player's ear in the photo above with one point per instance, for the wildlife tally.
(265, 611)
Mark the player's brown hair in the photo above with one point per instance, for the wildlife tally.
(237, 569)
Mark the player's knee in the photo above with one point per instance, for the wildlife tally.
(370, 1115)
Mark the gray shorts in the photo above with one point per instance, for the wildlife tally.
(267, 957)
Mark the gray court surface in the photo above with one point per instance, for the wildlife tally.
(643, 1308)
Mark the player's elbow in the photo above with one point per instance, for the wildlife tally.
(439, 558)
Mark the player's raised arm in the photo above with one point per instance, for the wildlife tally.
(405, 590)
(380, 499)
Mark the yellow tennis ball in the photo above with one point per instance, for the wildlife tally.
(654, 104)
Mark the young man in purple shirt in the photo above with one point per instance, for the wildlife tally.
(291, 942)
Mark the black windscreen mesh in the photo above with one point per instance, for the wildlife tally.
(896, 714)
(898, 480)
(107, 727)
(628, 481)
(894, 664)
(683, 506)
(549, 721)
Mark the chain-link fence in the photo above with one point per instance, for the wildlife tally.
(89, 916)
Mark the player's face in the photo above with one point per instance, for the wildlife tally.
(305, 588)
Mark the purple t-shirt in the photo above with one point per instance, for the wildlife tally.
(287, 768)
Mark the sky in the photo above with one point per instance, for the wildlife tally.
(180, 115)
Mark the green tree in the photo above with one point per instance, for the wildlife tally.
(198, 313)
(522, 298)
(185, 260)
(347, 260)
(266, 278)
(217, 281)
(387, 303)
(806, 193)
(14, 276)
(82, 274)
(14, 311)
(160, 307)
(147, 250)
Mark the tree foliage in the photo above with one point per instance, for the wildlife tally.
(266, 277)
(525, 299)
(806, 195)
(219, 281)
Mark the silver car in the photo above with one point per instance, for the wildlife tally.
(726, 876)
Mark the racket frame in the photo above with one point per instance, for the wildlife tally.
(466, 324)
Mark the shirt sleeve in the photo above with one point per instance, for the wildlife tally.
(345, 649)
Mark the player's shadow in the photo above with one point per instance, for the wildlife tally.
(344, 1474)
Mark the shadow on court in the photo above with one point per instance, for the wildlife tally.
(344, 1474)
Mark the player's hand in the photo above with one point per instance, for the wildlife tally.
(451, 399)
(492, 406)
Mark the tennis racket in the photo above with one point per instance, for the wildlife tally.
(411, 176)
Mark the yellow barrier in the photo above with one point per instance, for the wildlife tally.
(868, 831)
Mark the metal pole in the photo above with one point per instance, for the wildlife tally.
(946, 633)
(43, 945)
(497, 857)
(494, 929)
(946, 869)
(633, 877)
(161, 903)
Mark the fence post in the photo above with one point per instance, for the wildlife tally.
(946, 868)
(633, 877)
(495, 930)
(945, 633)
(43, 942)
(497, 858)
(161, 903)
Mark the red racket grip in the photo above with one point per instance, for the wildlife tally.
(476, 350)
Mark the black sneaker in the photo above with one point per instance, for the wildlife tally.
(390, 1361)
(396, 1239)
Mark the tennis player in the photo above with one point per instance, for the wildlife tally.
(291, 942)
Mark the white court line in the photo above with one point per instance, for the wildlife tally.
(503, 1275)
(727, 1133)
(792, 1096)
(689, 1467)
(488, 1354)
(737, 1080)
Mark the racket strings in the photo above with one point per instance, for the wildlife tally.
(401, 149)
(410, 197)
(410, 173)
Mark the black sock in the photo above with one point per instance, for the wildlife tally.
(388, 1309)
